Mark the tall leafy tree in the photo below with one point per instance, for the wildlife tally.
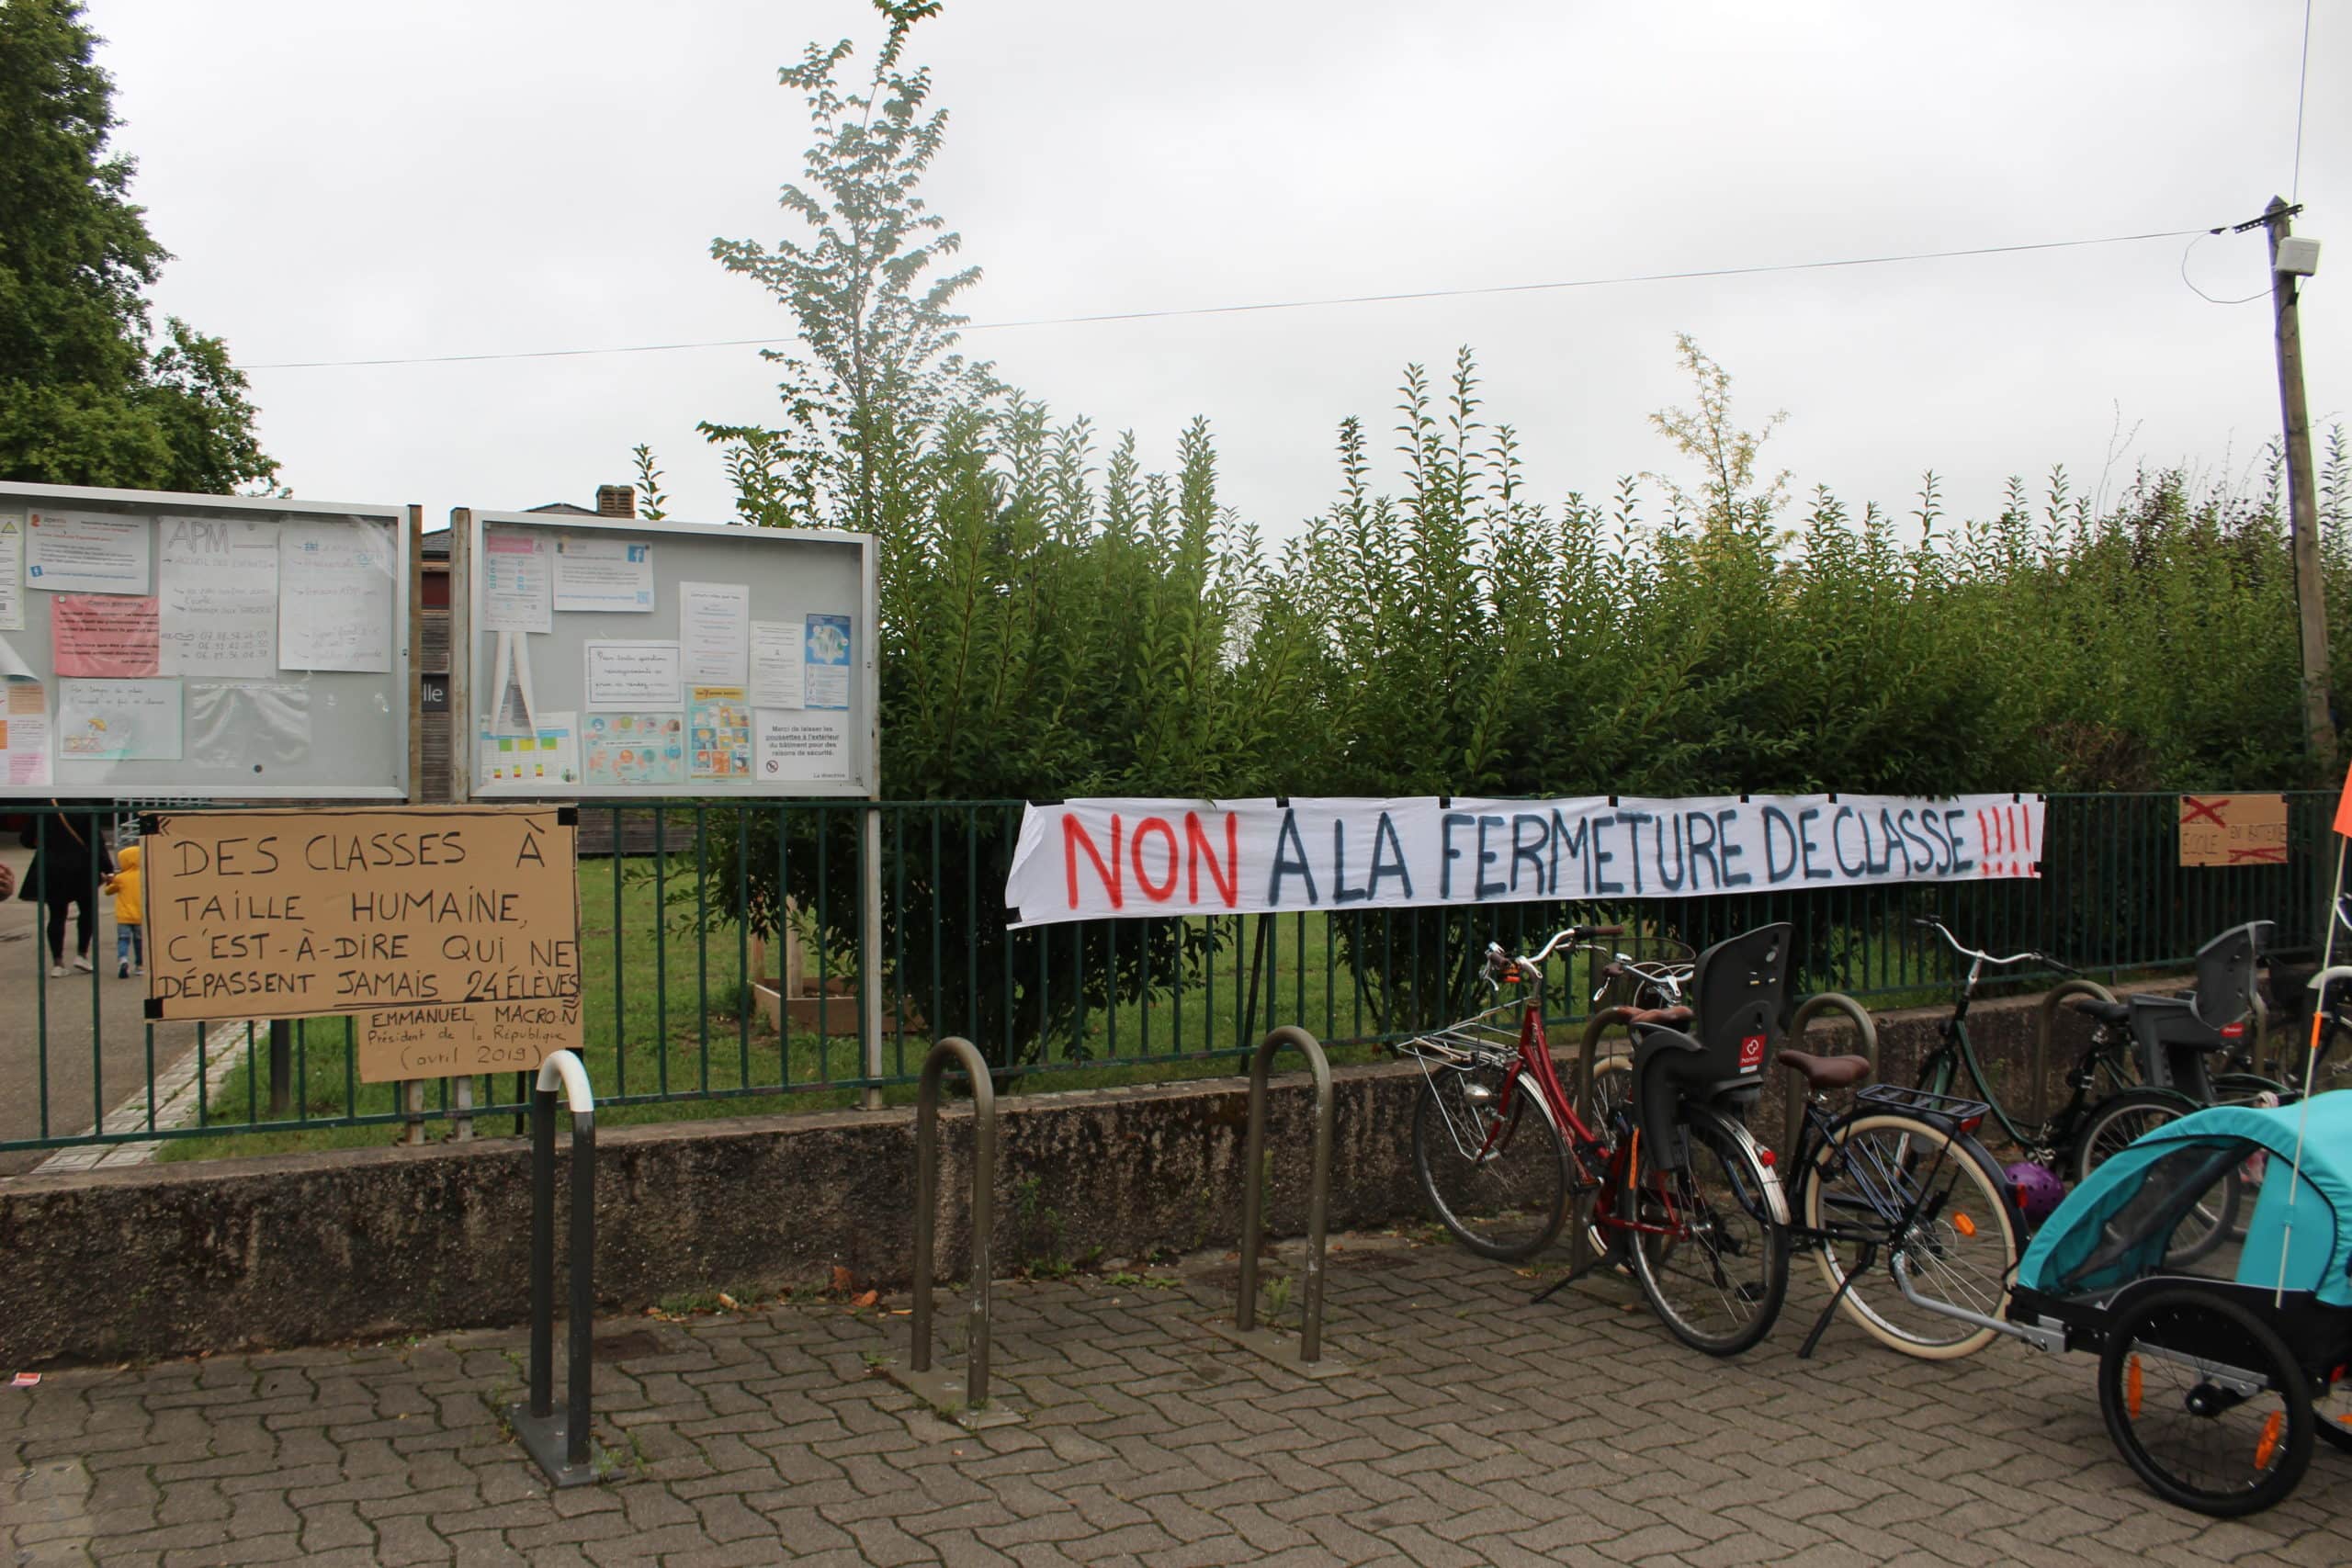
(90, 393)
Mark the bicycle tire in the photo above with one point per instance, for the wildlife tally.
(2171, 1434)
(1968, 1250)
(1504, 1198)
(1724, 1226)
(2114, 1123)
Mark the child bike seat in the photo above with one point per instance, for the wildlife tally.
(1741, 987)
(2171, 1034)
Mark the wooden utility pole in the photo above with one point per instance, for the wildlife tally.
(2302, 501)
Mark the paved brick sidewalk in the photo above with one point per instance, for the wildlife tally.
(1478, 1428)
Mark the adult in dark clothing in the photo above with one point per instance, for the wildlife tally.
(72, 855)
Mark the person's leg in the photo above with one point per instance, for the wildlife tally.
(138, 948)
(84, 928)
(122, 951)
(57, 900)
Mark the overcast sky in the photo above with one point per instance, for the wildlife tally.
(344, 182)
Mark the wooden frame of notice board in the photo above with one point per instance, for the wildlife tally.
(612, 658)
(173, 630)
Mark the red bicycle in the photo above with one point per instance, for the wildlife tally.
(1698, 1216)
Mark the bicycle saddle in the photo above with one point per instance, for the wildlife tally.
(2105, 1012)
(1826, 1072)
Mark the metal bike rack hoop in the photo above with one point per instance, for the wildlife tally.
(963, 1399)
(2045, 1024)
(1812, 1007)
(1245, 1331)
(558, 1435)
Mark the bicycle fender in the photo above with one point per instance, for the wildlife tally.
(1775, 1196)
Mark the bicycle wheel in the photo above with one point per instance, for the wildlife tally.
(1708, 1249)
(1493, 1166)
(2114, 1123)
(2204, 1401)
(1959, 1245)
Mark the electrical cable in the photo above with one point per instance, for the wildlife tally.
(2199, 292)
(1275, 305)
(2303, 81)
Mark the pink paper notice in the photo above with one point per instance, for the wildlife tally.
(104, 636)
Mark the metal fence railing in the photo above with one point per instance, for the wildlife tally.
(679, 901)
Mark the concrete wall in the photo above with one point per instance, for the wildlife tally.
(289, 1249)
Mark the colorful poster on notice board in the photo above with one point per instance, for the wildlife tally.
(634, 749)
(828, 654)
(719, 742)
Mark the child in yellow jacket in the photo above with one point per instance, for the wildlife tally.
(129, 913)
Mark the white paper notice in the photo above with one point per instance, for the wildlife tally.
(119, 721)
(217, 581)
(777, 665)
(602, 574)
(74, 552)
(335, 596)
(632, 675)
(11, 572)
(517, 592)
(798, 747)
(714, 624)
(12, 665)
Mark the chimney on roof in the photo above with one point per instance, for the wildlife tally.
(615, 501)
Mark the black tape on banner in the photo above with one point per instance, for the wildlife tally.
(154, 1006)
(567, 816)
(150, 824)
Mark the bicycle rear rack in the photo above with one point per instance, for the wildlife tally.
(1949, 1111)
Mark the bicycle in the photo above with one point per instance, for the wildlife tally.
(1698, 1219)
(1500, 1187)
(2122, 1086)
(1900, 1182)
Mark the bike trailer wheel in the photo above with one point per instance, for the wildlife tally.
(2205, 1401)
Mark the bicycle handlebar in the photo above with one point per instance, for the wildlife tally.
(1984, 957)
(1498, 958)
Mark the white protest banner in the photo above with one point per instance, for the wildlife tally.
(1135, 859)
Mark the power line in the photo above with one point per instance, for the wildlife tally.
(1279, 304)
(2303, 81)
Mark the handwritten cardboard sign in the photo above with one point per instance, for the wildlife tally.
(450, 934)
(2232, 830)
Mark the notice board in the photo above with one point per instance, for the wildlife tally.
(155, 644)
(610, 658)
(450, 934)
(2232, 830)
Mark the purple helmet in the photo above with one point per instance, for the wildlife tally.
(2037, 1189)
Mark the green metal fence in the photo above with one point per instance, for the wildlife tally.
(676, 899)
